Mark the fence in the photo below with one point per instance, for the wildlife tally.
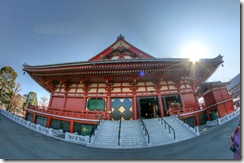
(224, 119)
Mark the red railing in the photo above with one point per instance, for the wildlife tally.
(183, 110)
(86, 114)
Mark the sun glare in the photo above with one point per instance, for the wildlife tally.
(194, 51)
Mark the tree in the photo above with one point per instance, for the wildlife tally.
(31, 99)
(7, 84)
(43, 101)
(16, 101)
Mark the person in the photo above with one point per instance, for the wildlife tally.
(237, 143)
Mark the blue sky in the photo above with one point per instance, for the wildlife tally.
(39, 32)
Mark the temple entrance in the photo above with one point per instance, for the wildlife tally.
(148, 107)
(171, 101)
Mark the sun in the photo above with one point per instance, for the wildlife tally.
(194, 51)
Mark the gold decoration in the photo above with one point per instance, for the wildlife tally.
(84, 129)
(121, 109)
(122, 100)
(121, 43)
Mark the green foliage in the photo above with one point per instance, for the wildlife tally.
(31, 99)
(7, 84)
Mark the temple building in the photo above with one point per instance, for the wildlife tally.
(124, 82)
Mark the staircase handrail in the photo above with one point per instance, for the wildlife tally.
(95, 128)
(144, 128)
(169, 126)
(194, 127)
(119, 129)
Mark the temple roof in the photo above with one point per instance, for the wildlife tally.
(122, 62)
(120, 50)
(205, 86)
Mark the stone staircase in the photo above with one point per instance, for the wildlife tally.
(158, 134)
(182, 131)
(132, 135)
(107, 137)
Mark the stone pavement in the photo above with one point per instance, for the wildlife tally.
(18, 142)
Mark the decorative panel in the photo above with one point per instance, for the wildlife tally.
(116, 85)
(80, 85)
(62, 90)
(141, 84)
(149, 83)
(150, 89)
(141, 89)
(182, 87)
(123, 107)
(164, 88)
(163, 82)
(125, 84)
(116, 90)
(102, 85)
(93, 90)
(101, 90)
(80, 90)
(172, 87)
(72, 90)
(93, 85)
(188, 86)
(126, 90)
(96, 104)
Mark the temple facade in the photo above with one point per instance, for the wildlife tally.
(121, 82)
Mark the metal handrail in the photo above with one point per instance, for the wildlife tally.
(119, 129)
(184, 121)
(166, 123)
(95, 128)
(146, 132)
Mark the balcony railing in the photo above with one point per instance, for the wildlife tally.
(183, 110)
(85, 114)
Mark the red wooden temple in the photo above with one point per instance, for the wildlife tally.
(121, 81)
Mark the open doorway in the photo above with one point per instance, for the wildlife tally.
(148, 107)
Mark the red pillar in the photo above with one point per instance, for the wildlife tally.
(108, 108)
(26, 115)
(71, 128)
(84, 103)
(209, 118)
(135, 115)
(161, 105)
(34, 119)
(48, 122)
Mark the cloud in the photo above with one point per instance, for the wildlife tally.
(58, 28)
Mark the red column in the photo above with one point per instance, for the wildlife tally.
(34, 119)
(161, 105)
(71, 128)
(84, 103)
(209, 118)
(135, 115)
(108, 108)
(65, 98)
(48, 122)
(26, 115)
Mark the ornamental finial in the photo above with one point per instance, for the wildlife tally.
(120, 37)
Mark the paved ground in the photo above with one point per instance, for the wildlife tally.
(18, 142)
